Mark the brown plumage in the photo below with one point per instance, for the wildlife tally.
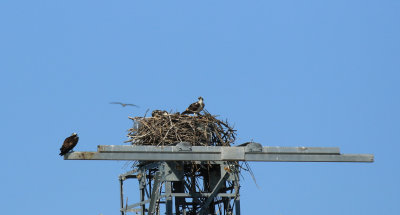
(195, 107)
(69, 143)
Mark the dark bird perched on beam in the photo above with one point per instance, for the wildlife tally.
(195, 108)
(123, 104)
(69, 143)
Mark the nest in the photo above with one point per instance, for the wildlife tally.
(168, 129)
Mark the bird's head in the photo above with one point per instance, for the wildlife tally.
(200, 98)
(74, 134)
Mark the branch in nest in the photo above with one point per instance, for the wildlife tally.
(202, 130)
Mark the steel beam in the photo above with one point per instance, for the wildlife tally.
(121, 186)
(247, 156)
(168, 199)
(155, 193)
(141, 203)
(248, 152)
(217, 149)
(186, 152)
(198, 195)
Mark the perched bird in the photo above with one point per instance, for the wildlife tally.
(123, 104)
(195, 108)
(69, 143)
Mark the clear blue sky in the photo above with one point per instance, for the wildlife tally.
(284, 72)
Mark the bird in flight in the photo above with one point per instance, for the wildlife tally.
(123, 104)
(196, 107)
(69, 143)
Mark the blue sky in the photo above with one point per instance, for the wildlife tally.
(285, 73)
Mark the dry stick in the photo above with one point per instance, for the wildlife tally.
(166, 134)
(197, 130)
(219, 137)
(151, 130)
(194, 132)
(176, 134)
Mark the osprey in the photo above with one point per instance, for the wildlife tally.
(195, 107)
(69, 143)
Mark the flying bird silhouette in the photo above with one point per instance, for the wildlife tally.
(123, 104)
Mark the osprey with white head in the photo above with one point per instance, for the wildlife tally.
(195, 108)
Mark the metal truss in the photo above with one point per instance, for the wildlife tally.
(192, 180)
(184, 188)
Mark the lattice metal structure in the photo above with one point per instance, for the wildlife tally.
(191, 180)
(184, 188)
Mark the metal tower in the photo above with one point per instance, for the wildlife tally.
(191, 180)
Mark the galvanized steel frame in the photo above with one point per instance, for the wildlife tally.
(250, 152)
(163, 176)
(159, 156)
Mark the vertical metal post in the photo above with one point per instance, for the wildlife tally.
(168, 189)
(227, 205)
(142, 187)
(155, 193)
(143, 207)
(237, 198)
(121, 188)
(193, 190)
(237, 206)
(178, 187)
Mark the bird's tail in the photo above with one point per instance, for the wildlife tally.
(186, 112)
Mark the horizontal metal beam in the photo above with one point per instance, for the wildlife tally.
(198, 195)
(150, 156)
(219, 156)
(217, 149)
(311, 158)
(129, 207)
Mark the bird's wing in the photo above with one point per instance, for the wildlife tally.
(67, 143)
(70, 142)
(123, 104)
(75, 142)
(194, 106)
(132, 105)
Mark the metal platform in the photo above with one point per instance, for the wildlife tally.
(249, 152)
(192, 180)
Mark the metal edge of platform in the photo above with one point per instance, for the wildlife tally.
(193, 156)
(217, 149)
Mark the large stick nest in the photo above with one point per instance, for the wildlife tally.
(166, 129)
